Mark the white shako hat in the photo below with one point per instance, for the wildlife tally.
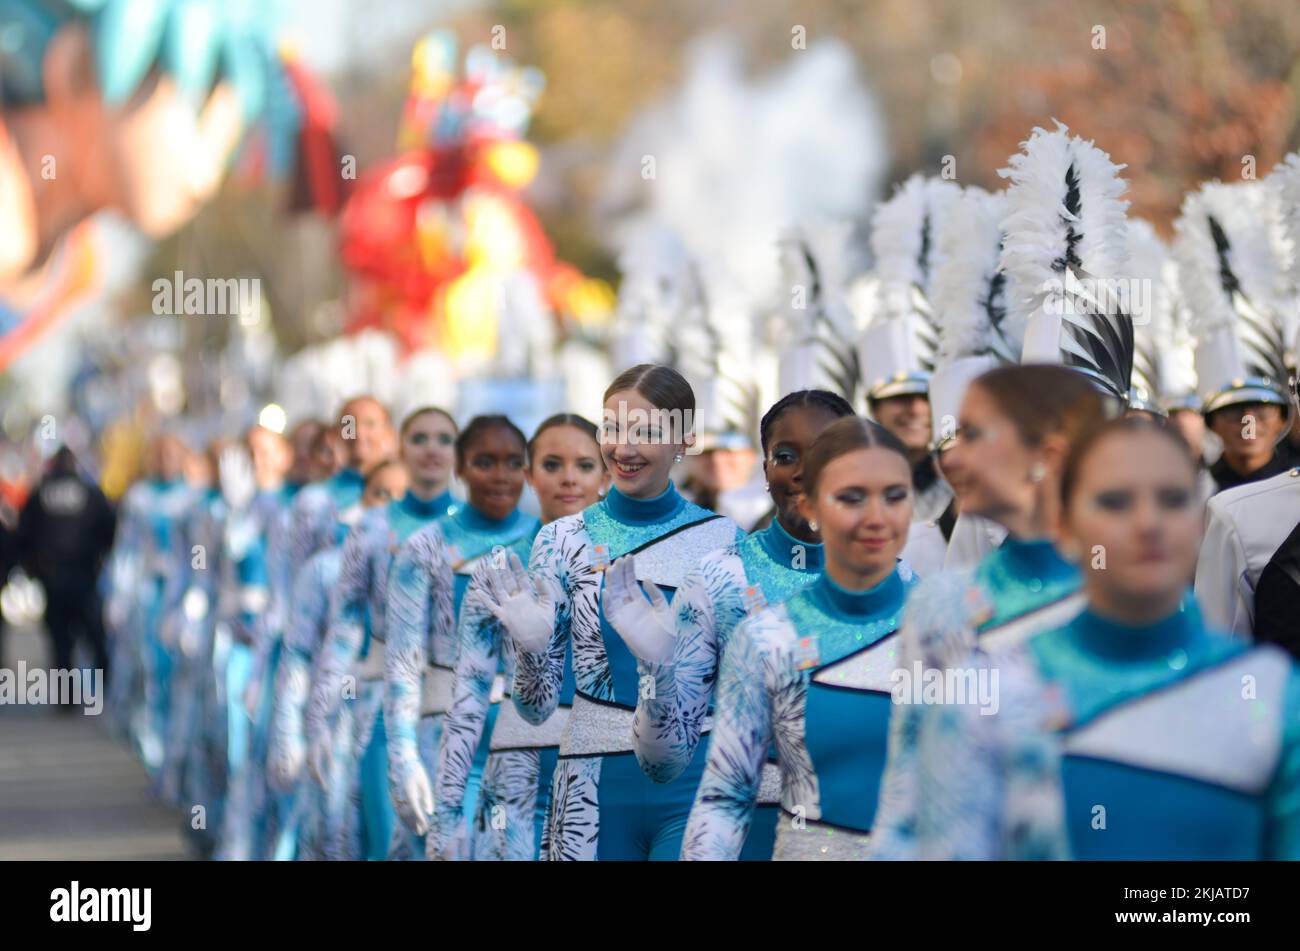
(1064, 255)
(969, 304)
(899, 345)
(816, 333)
(1232, 283)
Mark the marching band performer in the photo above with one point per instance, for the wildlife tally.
(800, 674)
(1016, 425)
(899, 346)
(602, 805)
(426, 595)
(1126, 732)
(357, 616)
(566, 472)
(1252, 530)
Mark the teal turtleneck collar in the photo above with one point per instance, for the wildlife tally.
(632, 511)
(781, 547)
(845, 604)
(1036, 558)
(420, 508)
(473, 520)
(1113, 640)
(349, 476)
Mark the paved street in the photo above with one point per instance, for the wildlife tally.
(67, 789)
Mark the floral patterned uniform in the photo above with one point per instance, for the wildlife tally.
(811, 675)
(516, 777)
(763, 568)
(314, 827)
(1159, 741)
(430, 580)
(603, 806)
(356, 642)
(1018, 589)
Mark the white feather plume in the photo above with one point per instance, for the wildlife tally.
(969, 299)
(1039, 228)
(1229, 273)
(1249, 260)
(1066, 223)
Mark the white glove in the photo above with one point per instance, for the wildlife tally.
(238, 482)
(252, 698)
(321, 758)
(285, 762)
(414, 799)
(647, 627)
(525, 609)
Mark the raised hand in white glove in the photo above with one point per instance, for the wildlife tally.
(238, 481)
(413, 799)
(646, 626)
(525, 609)
(320, 757)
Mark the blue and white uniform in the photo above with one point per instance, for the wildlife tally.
(761, 569)
(812, 676)
(250, 609)
(430, 580)
(1020, 588)
(356, 642)
(314, 829)
(603, 806)
(515, 790)
(163, 557)
(1171, 741)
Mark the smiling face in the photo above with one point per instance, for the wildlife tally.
(1250, 432)
(367, 433)
(989, 467)
(788, 440)
(1133, 523)
(863, 506)
(429, 451)
(908, 418)
(639, 442)
(493, 471)
(566, 471)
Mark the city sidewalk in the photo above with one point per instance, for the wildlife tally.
(67, 789)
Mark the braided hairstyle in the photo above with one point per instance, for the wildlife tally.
(833, 403)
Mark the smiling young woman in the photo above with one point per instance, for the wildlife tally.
(1148, 714)
(602, 805)
(805, 675)
(357, 614)
(426, 598)
(566, 473)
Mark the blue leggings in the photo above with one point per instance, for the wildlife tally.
(643, 820)
(377, 814)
